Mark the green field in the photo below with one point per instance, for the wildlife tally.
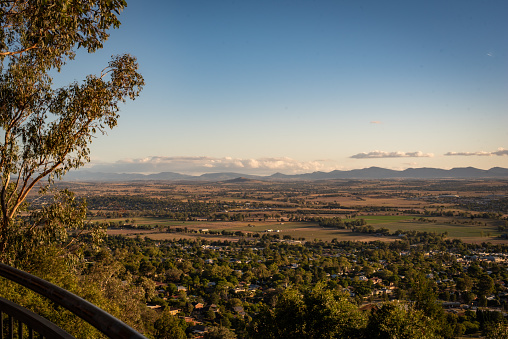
(442, 225)
(311, 231)
(382, 219)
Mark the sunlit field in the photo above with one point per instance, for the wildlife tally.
(305, 230)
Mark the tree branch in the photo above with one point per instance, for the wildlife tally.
(18, 52)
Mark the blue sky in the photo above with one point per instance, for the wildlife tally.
(298, 86)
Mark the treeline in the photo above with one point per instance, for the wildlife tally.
(448, 213)
(124, 205)
(337, 222)
(494, 205)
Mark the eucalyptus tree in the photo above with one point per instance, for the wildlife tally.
(46, 131)
(311, 313)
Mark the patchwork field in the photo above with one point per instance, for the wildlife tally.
(308, 230)
(471, 210)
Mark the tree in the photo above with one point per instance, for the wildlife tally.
(464, 283)
(169, 327)
(219, 332)
(318, 313)
(393, 320)
(46, 131)
(210, 314)
(285, 320)
(363, 288)
(422, 293)
(497, 331)
(485, 285)
(331, 315)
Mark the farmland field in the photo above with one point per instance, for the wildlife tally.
(473, 211)
(309, 230)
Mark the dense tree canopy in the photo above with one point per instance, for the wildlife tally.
(318, 313)
(393, 320)
(47, 32)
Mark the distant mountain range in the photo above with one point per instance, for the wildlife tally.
(366, 173)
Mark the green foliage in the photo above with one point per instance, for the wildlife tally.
(47, 31)
(219, 332)
(59, 224)
(100, 284)
(394, 320)
(422, 292)
(169, 327)
(331, 315)
(363, 288)
(314, 306)
(318, 313)
(497, 331)
(47, 131)
(485, 285)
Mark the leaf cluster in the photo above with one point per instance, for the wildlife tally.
(47, 31)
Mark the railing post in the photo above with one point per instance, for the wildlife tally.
(11, 327)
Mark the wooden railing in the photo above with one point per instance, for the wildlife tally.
(15, 319)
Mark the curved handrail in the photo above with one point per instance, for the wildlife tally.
(98, 318)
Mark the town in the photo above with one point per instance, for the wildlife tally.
(223, 257)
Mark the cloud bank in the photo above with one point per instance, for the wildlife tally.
(499, 152)
(200, 165)
(381, 154)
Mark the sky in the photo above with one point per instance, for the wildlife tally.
(266, 86)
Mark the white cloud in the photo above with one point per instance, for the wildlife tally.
(499, 152)
(382, 154)
(199, 165)
(376, 122)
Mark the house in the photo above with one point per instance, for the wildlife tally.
(253, 287)
(198, 306)
(199, 329)
(191, 320)
(174, 310)
(239, 310)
